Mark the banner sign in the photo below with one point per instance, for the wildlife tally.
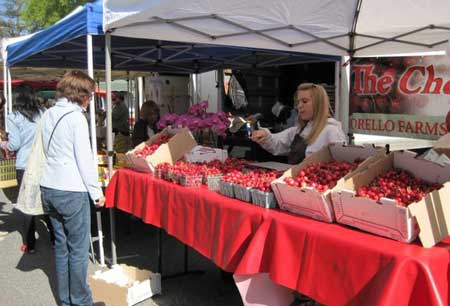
(400, 96)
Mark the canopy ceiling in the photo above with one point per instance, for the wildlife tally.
(345, 27)
(45, 74)
(163, 56)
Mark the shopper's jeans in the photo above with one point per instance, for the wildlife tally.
(70, 215)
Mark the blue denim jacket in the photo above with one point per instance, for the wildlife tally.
(70, 164)
(21, 137)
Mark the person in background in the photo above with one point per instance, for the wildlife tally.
(145, 127)
(22, 125)
(2, 111)
(292, 120)
(315, 128)
(69, 183)
(120, 123)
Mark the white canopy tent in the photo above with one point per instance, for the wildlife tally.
(341, 28)
(346, 27)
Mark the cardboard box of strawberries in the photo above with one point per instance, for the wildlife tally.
(167, 146)
(399, 196)
(305, 188)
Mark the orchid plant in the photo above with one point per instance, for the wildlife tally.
(197, 119)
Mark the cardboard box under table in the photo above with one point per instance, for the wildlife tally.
(307, 201)
(385, 217)
(124, 285)
(179, 144)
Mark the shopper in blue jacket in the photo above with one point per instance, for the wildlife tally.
(69, 183)
(22, 124)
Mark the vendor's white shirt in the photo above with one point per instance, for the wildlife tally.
(150, 132)
(70, 164)
(280, 143)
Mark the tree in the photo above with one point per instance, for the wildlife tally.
(11, 23)
(39, 14)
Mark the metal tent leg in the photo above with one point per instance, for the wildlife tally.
(100, 237)
(186, 260)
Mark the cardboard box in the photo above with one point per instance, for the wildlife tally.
(259, 290)
(205, 154)
(179, 144)
(307, 201)
(124, 285)
(386, 218)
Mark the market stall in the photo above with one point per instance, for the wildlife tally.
(349, 28)
(315, 257)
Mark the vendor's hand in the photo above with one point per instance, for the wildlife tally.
(259, 136)
(254, 118)
(100, 202)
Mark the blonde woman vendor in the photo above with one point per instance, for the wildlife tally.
(315, 128)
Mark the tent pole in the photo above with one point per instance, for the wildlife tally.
(109, 144)
(9, 91)
(136, 96)
(141, 91)
(130, 103)
(344, 95)
(337, 89)
(219, 89)
(5, 93)
(90, 57)
(195, 87)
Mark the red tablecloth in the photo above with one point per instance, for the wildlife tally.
(337, 265)
(217, 227)
(331, 263)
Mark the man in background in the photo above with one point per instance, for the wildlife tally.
(120, 123)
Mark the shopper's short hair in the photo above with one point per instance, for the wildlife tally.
(75, 86)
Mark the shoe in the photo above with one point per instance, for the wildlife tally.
(24, 248)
